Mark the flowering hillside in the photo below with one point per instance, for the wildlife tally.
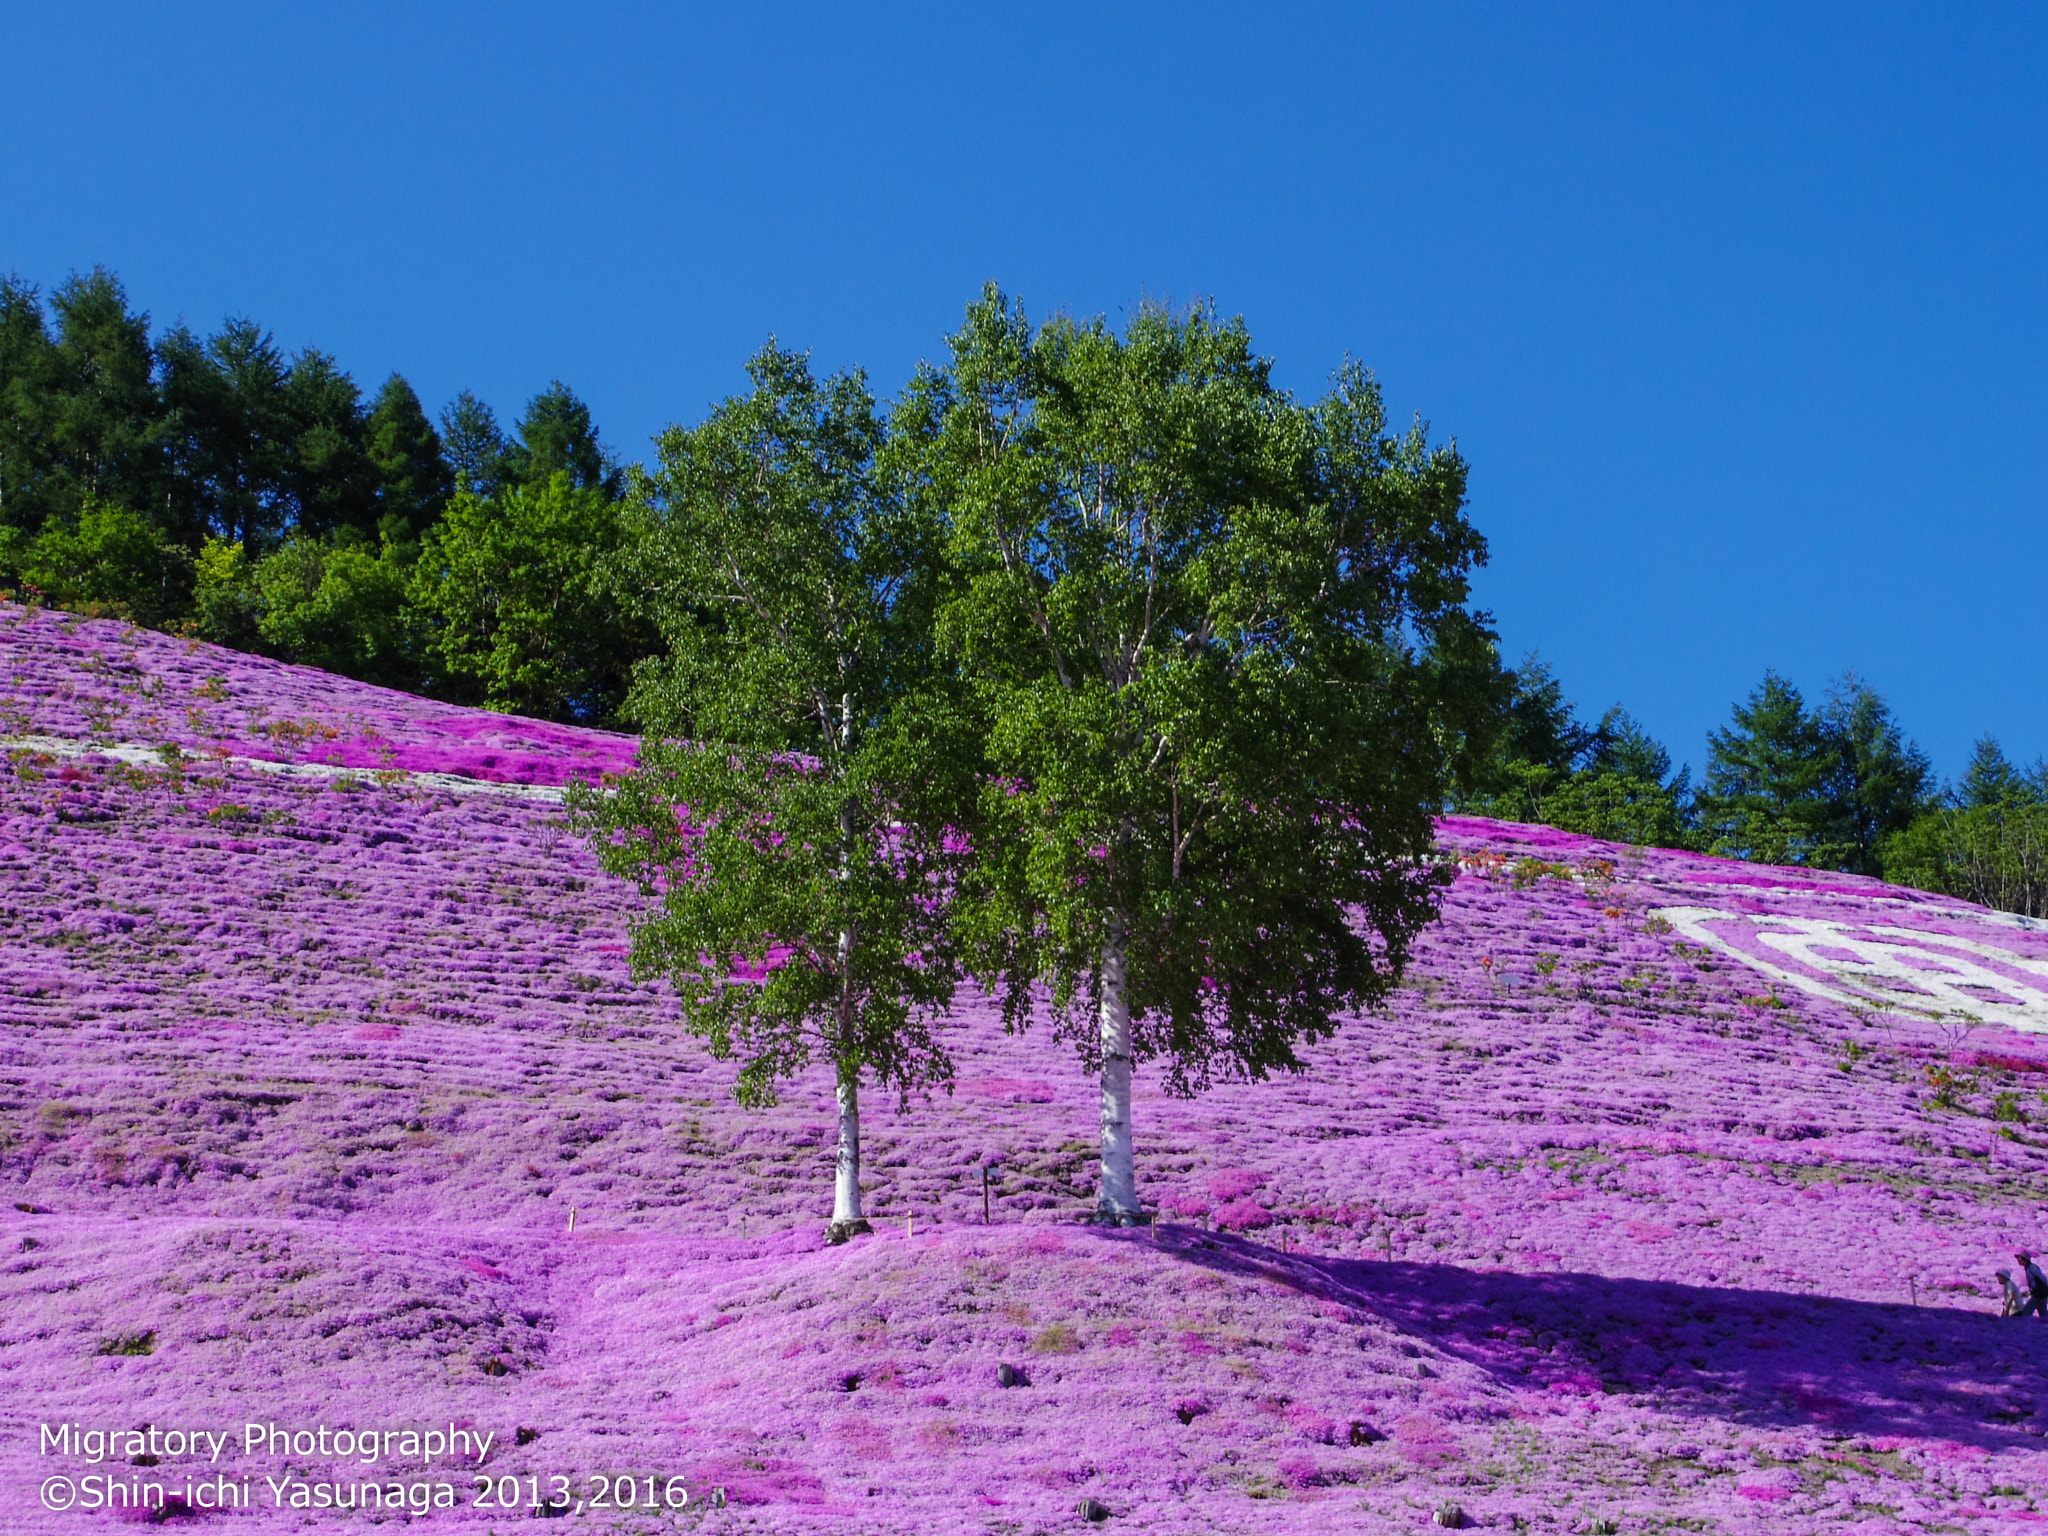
(1667, 1194)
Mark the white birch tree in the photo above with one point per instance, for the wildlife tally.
(799, 769)
(1219, 643)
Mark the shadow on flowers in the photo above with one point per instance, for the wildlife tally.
(1835, 1366)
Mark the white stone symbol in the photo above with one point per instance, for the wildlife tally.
(1881, 966)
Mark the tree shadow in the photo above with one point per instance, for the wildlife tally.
(1769, 1359)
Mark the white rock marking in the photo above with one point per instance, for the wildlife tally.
(1904, 970)
(141, 755)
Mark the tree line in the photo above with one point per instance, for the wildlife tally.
(1834, 785)
(219, 486)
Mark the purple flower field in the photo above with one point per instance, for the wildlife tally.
(1666, 1196)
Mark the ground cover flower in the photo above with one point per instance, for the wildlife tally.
(303, 1076)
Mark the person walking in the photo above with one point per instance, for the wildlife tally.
(2037, 1288)
(2013, 1302)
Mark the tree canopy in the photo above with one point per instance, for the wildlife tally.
(1610, 780)
(1198, 618)
(1787, 784)
(804, 772)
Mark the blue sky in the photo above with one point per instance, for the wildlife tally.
(1738, 313)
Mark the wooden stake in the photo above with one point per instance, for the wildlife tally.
(909, 1224)
(572, 1221)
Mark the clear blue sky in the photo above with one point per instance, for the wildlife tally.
(1737, 313)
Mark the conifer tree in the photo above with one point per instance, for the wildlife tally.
(413, 479)
(101, 417)
(24, 370)
(474, 444)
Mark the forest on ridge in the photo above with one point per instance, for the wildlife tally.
(222, 487)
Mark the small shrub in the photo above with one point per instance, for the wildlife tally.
(1057, 1339)
(1949, 1084)
(129, 1344)
(1528, 871)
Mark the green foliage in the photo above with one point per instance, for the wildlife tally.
(1610, 781)
(24, 356)
(1989, 844)
(229, 431)
(1619, 807)
(79, 418)
(1199, 618)
(328, 483)
(519, 617)
(261, 444)
(474, 445)
(802, 764)
(1825, 788)
(1992, 780)
(339, 604)
(269, 509)
(1950, 1084)
(1879, 782)
(110, 561)
(1596, 802)
(227, 604)
(99, 413)
(414, 481)
(1539, 729)
(557, 437)
(1996, 855)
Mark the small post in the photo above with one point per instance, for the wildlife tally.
(1155, 1226)
(909, 1224)
(989, 1173)
(572, 1221)
(1914, 1282)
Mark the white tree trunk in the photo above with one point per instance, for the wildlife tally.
(1118, 1200)
(847, 1220)
(846, 1212)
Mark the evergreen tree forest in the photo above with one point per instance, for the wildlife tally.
(224, 487)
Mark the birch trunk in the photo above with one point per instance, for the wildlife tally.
(846, 1213)
(1117, 1203)
(847, 1220)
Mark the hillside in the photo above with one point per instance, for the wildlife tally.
(1668, 1189)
